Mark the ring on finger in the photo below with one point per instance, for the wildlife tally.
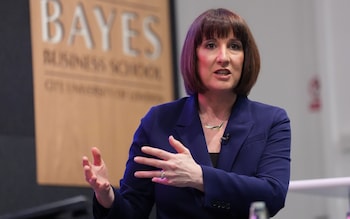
(162, 174)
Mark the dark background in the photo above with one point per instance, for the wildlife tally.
(18, 187)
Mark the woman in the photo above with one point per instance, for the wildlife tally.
(208, 155)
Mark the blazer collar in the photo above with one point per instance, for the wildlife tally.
(190, 133)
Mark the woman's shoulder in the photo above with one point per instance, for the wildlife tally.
(170, 108)
(263, 105)
(173, 105)
(167, 112)
(264, 109)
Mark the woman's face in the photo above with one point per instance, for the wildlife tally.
(220, 63)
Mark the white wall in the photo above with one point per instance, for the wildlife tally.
(299, 40)
(333, 34)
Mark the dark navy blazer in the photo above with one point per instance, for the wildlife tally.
(254, 164)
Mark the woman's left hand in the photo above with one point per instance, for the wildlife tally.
(177, 169)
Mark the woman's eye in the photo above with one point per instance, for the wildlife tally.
(210, 45)
(235, 46)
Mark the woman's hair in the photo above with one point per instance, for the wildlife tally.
(219, 23)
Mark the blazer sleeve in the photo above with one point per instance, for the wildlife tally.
(261, 171)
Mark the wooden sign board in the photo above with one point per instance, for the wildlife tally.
(98, 66)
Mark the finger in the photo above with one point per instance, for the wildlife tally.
(164, 181)
(88, 174)
(93, 182)
(87, 169)
(147, 174)
(97, 156)
(156, 152)
(177, 145)
(85, 161)
(150, 162)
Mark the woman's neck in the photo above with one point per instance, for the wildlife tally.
(216, 106)
(214, 113)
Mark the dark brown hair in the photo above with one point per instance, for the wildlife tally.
(219, 23)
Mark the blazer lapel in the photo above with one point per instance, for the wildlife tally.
(189, 131)
(238, 128)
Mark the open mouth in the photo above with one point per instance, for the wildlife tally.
(222, 72)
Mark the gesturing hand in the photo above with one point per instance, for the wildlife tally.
(177, 169)
(96, 175)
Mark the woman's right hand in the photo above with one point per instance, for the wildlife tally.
(96, 175)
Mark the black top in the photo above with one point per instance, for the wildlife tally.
(214, 158)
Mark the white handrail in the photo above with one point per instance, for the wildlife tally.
(319, 183)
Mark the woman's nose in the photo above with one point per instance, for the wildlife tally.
(222, 56)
